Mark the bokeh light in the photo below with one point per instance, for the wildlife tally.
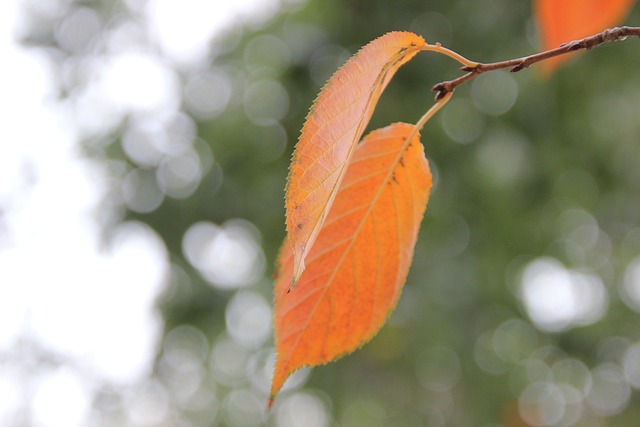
(244, 408)
(439, 369)
(462, 122)
(502, 157)
(228, 256)
(542, 404)
(266, 102)
(207, 93)
(248, 319)
(60, 397)
(302, 409)
(610, 393)
(557, 298)
(494, 93)
(149, 405)
(631, 289)
(229, 362)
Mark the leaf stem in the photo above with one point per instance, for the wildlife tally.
(607, 36)
(426, 116)
(455, 55)
(430, 113)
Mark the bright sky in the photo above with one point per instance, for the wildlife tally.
(61, 291)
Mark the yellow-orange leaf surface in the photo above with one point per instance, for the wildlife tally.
(562, 21)
(356, 269)
(334, 126)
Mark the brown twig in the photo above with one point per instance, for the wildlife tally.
(607, 36)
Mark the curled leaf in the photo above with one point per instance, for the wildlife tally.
(334, 126)
(356, 269)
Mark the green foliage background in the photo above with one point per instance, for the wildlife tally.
(511, 186)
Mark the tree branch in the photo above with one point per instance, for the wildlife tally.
(607, 36)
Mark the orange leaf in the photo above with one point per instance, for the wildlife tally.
(356, 269)
(334, 125)
(562, 21)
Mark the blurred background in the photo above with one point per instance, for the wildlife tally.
(145, 146)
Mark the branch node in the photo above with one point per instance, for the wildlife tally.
(573, 46)
(441, 94)
(442, 89)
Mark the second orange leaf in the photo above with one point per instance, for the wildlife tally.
(356, 269)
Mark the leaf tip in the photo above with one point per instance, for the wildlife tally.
(280, 375)
(298, 269)
(294, 280)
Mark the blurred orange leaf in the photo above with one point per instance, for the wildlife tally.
(334, 126)
(359, 263)
(562, 21)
